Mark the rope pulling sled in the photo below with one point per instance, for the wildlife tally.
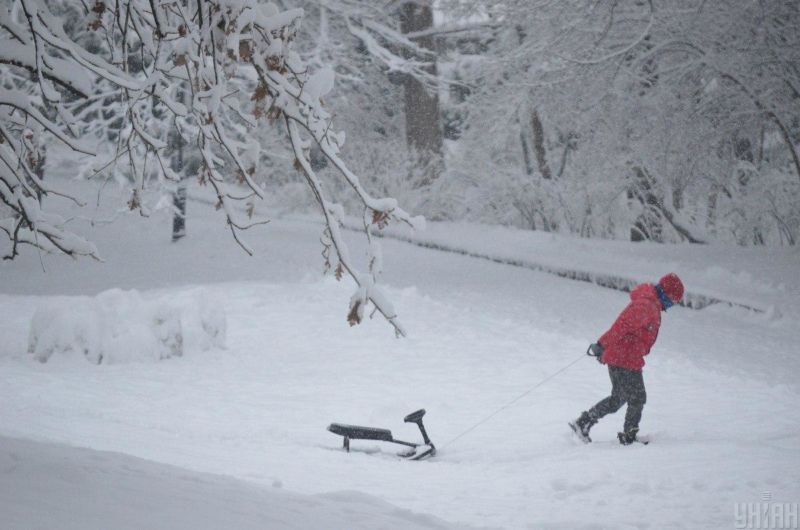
(427, 449)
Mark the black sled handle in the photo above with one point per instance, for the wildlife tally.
(416, 417)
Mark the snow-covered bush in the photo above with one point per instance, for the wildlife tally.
(120, 326)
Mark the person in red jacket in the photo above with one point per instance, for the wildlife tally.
(623, 348)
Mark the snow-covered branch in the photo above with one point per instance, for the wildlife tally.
(149, 75)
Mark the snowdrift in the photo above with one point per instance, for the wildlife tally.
(55, 486)
(119, 326)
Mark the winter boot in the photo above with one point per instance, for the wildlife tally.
(629, 436)
(582, 425)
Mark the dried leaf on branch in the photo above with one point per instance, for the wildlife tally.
(356, 311)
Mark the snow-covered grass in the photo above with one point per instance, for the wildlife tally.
(722, 385)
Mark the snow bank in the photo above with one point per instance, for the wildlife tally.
(764, 280)
(45, 485)
(120, 326)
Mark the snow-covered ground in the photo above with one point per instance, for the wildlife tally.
(722, 382)
(55, 486)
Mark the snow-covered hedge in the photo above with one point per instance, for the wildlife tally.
(120, 326)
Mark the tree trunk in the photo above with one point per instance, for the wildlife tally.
(423, 133)
(179, 195)
(533, 144)
(526, 152)
(538, 145)
(648, 226)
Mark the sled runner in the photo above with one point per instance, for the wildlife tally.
(417, 451)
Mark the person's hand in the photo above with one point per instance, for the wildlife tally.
(596, 350)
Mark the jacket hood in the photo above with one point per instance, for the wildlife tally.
(645, 291)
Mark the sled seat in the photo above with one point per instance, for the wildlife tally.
(356, 432)
(361, 433)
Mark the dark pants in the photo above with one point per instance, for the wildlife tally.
(627, 386)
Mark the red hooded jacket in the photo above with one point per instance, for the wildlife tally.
(633, 334)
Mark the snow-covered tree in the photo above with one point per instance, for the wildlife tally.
(144, 71)
(667, 121)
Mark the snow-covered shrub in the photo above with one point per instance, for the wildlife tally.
(120, 326)
(203, 321)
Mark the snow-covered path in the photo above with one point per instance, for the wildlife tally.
(722, 386)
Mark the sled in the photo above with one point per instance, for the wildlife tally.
(416, 452)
